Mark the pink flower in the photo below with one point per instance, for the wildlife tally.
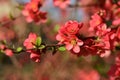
(114, 38)
(93, 47)
(35, 56)
(32, 12)
(67, 35)
(95, 21)
(61, 3)
(30, 41)
(102, 30)
(34, 5)
(71, 28)
(114, 71)
(97, 24)
(73, 44)
(8, 52)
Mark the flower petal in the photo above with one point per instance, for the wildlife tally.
(58, 37)
(76, 49)
(80, 43)
(69, 46)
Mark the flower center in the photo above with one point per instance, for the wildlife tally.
(73, 42)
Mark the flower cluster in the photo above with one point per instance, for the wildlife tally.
(67, 35)
(29, 43)
(98, 25)
(32, 13)
(114, 71)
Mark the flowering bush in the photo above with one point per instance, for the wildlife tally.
(94, 37)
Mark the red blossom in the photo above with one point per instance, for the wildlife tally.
(98, 25)
(8, 52)
(73, 43)
(114, 38)
(30, 41)
(32, 12)
(61, 3)
(71, 28)
(35, 56)
(91, 47)
(67, 36)
(114, 71)
(95, 21)
(115, 11)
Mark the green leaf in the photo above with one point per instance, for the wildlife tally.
(1, 51)
(62, 48)
(56, 28)
(42, 47)
(19, 49)
(38, 41)
(4, 42)
(20, 7)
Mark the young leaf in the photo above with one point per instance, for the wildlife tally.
(42, 47)
(56, 28)
(38, 41)
(62, 48)
(19, 49)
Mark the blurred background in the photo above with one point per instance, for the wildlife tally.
(62, 65)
